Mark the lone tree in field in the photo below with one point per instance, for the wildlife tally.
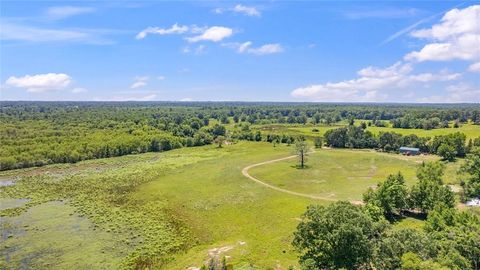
(220, 140)
(301, 148)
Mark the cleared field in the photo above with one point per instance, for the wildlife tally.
(189, 203)
(339, 174)
(471, 131)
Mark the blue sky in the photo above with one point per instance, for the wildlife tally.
(395, 51)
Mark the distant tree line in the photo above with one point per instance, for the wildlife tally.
(40, 133)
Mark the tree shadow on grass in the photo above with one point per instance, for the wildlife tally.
(300, 167)
(407, 214)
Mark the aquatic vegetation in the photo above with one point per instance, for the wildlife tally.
(150, 228)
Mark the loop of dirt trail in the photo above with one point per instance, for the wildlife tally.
(309, 196)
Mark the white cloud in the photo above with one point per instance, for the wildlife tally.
(161, 78)
(267, 49)
(138, 85)
(244, 46)
(214, 33)
(219, 10)
(262, 50)
(245, 10)
(57, 13)
(174, 29)
(369, 85)
(461, 92)
(139, 81)
(186, 99)
(79, 90)
(249, 11)
(457, 36)
(407, 29)
(41, 82)
(475, 67)
(10, 31)
(200, 49)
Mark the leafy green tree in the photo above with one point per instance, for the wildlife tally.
(218, 130)
(316, 118)
(457, 235)
(447, 152)
(390, 195)
(429, 190)
(394, 244)
(411, 261)
(471, 184)
(337, 236)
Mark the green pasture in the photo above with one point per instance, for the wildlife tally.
(309, 130)
(172, 209)
(339, 173)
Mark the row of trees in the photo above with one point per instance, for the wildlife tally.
(346, 236)
(448, 146)
(77, 144)
(423, 123)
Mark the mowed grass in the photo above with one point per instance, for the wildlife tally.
(471, 131)
(339, 173)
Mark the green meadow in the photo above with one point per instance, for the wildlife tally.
(339, 174)
(179, 207)
(310, 130)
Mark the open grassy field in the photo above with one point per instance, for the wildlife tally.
(471, 131)
(343, 174)
(339, 174)
(185, 205)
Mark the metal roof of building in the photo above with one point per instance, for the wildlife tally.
(409, 149)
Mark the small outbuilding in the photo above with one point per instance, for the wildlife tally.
(409, 151)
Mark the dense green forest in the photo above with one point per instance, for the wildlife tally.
(40, 133)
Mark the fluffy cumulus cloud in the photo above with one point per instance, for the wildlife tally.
(174, 29)
(139, 81)
(457, 36)
(214, 33)
(246, 47)
(40, 82)
(241, 9)
(371, 84)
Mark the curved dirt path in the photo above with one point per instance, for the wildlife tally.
(309, 196)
